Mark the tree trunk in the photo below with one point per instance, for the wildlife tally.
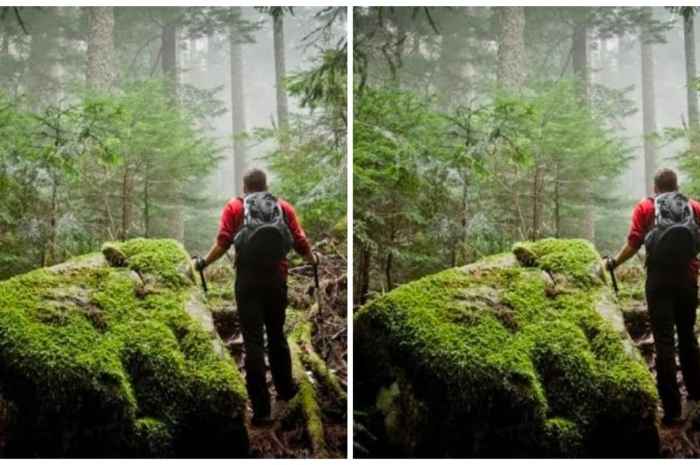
(175, 221)
(536, 204)
(168, 58)
(580, 62)
(511, 48)
(126, 204)
(557, 201)
(444, 79)
(280, 71)
(37, 83)
(100, 51)
(583, 80)
(387, 271)
(364, 269)
(237, 109)
(214, 74)
(146, 201)
(690, 72)
(649, 112)
(50, 250)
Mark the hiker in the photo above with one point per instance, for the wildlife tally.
(667, 225)
(262, 229)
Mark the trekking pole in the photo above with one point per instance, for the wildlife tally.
(201, 275)
(204, 281)
(317, 288)
(614, 281)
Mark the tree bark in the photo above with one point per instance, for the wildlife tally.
(557, 202)
(50, 251)
(444, 78)
(511, 48)
(690, 71)
(168, 58)
(280, 71)
(364, 269)
(238, 124)
(126, 203)
(176, 212)
(649, 112)
(38, 78)
(387, 271)
(100, 51)
(146, 201)
(214, 78)
(536, 204)
(583, 79)
(580, 62)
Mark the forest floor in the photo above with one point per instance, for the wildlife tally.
(293, 433)
(681, 441)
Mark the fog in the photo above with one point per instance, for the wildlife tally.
(258, 79)
(617, 64)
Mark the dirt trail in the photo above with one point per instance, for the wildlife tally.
(322, 359)
(682, 441)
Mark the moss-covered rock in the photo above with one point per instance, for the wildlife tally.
(517, 355)
(110, 355)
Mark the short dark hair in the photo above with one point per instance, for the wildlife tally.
(255, 180)
(665, 180)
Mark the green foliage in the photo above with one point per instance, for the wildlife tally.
(108, 362)
(400, 159)
(316, 142)
(99, 167)
(500, 353)
(436, 189)
(576, 258)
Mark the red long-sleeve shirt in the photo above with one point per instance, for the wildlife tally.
(232, 220)
(643, 221)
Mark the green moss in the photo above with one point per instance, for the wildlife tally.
(563, 438)
(302, 334)
(165, 259)
(497, 352)
(153, 438)
(85, 355)
(574, 258)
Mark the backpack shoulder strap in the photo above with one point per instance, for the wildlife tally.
(653, 200)
(281, 210)
(246, 211)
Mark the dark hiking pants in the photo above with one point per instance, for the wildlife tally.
(262, 312)
(674, 308)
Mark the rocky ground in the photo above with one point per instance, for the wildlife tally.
(314, 424)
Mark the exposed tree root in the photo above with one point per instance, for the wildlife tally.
(305, 403)
(316, 364)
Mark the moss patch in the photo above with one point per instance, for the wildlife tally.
(545, 380)
(97, 367)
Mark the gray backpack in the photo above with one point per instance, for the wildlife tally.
(675, 237)
(264, 238)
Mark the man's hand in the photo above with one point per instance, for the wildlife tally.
(199, 263)
(609, 263)
(311, 258)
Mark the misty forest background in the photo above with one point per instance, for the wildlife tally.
(120, 122)
(477, 127)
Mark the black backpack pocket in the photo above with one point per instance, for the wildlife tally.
(675, 245)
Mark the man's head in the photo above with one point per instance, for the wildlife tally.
(665, 180)
(254, 180)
